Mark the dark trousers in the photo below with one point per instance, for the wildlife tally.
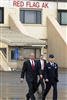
(32, 89)
(42, 84)
(48, 87)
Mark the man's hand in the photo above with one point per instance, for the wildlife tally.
(41, 76)
(46, 80)
(21, 80)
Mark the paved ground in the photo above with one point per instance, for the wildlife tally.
(12, 89)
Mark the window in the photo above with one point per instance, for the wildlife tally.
(4, 50)
(1, 15)
(62, 17)
(12, 54)
(27, 51)
(36, 51)
(30, 16)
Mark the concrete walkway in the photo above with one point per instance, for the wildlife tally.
(12, 89)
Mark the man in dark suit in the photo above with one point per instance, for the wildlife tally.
(41, 64)
(51, 77)
(31, 69)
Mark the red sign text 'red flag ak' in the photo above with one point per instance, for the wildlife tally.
(29, 4)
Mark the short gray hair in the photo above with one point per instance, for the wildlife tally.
(32, 53)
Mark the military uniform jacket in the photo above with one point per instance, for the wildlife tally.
(51, 72)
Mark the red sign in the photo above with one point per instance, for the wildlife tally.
(30, 4)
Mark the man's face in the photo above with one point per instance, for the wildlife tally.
(32, 56)
(51, 59)
(41, 57)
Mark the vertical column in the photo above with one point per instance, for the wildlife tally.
(42, 50)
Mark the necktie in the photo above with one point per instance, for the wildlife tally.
(53, 64)
(32, 64)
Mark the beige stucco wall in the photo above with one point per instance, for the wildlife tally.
(36, 30)
(62, 5)
(40, 30)
(64, 28)
(3, 44)
(8, 11)
(56, 45)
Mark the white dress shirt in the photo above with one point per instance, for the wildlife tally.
(31, 62)
(42, 64)
(52, 64)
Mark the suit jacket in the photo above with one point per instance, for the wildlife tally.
(39, 65)
(51, 72)
(31, 75)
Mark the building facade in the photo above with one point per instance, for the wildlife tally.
(44, 21)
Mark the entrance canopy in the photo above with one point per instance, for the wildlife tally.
(15, 38)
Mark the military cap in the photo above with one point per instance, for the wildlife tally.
(51, 56)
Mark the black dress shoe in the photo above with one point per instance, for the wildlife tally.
(27, 97)
(43, 98)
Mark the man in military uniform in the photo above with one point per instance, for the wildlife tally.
(51, 77)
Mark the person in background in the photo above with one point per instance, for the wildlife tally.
(16, 54)
(32, 70)
(51, 77)
(41, 64)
